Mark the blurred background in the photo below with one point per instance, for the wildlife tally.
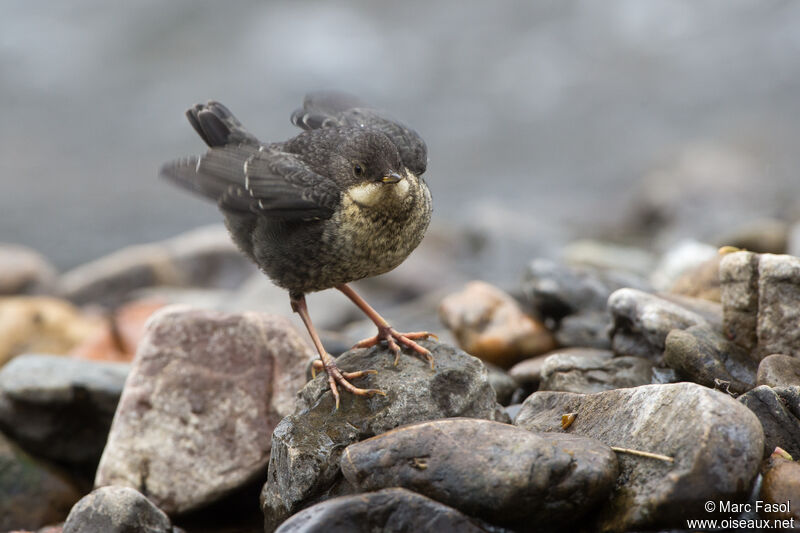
(548, 121)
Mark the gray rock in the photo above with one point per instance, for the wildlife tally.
(778, 411)
(389, 510)
(495, 471)
(642, 322)
(32, 494)
(204, 257)
(586, 370)
(779, 370)
(589, 329)
(704, 356)
(529, 371)
(205, 391)
(503, 384)
(710, 311)
(306, 446)
(738, 275)
(574, 298)
(116, 510)
(59, 407)
(778, 305)
(24, 271)
(716, 444)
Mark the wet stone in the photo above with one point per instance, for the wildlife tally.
(778, 410)
(498, 472)
(704, 356)
(388, 510)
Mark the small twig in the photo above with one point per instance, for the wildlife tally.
(644, 454)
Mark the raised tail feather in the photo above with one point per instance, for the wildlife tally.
(217, 126)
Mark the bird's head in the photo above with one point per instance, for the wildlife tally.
(370, 168)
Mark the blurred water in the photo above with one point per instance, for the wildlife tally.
(541, 117)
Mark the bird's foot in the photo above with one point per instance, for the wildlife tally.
(392, 338)
(337, 377)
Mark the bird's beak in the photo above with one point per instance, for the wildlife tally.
(394, 177)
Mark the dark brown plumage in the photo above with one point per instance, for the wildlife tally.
(341, 201)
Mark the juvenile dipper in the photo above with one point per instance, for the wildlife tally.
(341, 201)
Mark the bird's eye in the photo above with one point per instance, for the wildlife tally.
(358, 170)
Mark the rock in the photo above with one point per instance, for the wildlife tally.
(503, 384)
(609, 256)
(778, 305)
(738, 274)
(793, 240)
(590, 329)
(529, 371)
(307, 445)
(704, 356)
(24, 271)
(586, 370)
(779, 370)
(766, 235)
(489, 324)
(710, 311)
(59, 407)
(556, 290)
(39, 324)
(679, 263)
(760, 295)
(495, 471)
(206, 390)
(32, 494)
(642, 322)
(120, 336)
(205, 257)
(701, 281)
(387, 510)
(781, 484)
(716, 444)
(778, 410)
(116, 510)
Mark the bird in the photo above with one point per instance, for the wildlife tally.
(341, 201)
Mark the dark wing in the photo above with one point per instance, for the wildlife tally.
(217, 126)
(257, 179)
(330, 109)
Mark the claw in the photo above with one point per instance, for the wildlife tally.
(392, 338)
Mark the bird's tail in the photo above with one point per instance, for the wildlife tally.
(217, 126)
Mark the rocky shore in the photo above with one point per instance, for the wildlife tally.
(167, 388)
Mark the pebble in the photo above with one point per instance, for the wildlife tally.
(642, 322)
(116, 510)
(704, 356)
(490, 324)
(779, 370)
(586, 370)
(24, 271)
(778, 410)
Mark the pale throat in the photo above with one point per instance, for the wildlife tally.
(370, 194)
